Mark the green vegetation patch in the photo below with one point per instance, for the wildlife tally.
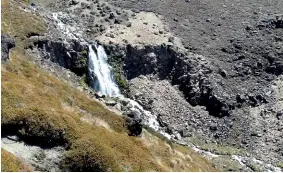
(84, 58)
(117, 63)
(226, 163)
(280, 165)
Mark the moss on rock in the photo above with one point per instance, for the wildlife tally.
(116, 61)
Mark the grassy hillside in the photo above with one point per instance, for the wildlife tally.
(45, 111)
(11, 164)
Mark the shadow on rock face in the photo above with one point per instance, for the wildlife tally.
(7, 43)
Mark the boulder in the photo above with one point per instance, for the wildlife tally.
(134, 126)
(128, 24)
(134, 123)
(186, 133)
(118, 106)
(118, 21)
(171, 39)
(84, 5)
(98, 95)
(111, 16)
(7, 42)
(135, 114)
(74, 2)
(110, 102)
(279, 114)
(178, 136)
(124, 102)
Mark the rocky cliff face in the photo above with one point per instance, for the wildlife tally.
(7, 43)
(191, 97)
(71, 55)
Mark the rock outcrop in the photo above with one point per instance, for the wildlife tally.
(71, 54)
(7, 42)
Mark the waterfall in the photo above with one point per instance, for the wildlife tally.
(63, 28)
(101, 73)
(103, 82)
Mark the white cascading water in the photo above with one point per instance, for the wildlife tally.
(104, 83)
(101, 72)
(64, 28)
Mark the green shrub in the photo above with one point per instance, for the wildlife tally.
(119, 76)
(86, 156)
(280, 165)
(84, 53)
(121, 81)
(84, 58)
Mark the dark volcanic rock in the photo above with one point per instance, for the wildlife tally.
(72, 55)
(134, 123)
(193, 74)
(74, 2)
(7, 43)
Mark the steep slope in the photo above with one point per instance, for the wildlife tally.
(43, 110)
